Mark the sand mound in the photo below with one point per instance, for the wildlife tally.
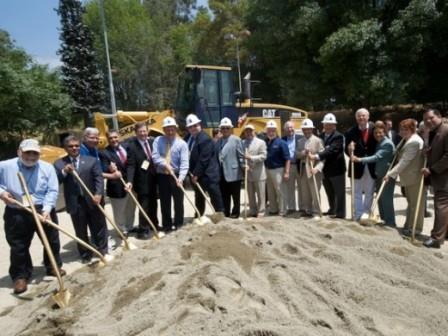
(262, 278)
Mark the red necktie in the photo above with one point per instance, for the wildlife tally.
(365, 135)
(147, 151)
(121, 155)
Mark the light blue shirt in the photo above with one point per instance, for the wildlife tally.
(291, 141)
(41, 180)
(179, 155)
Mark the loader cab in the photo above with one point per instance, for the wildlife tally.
(206, 91)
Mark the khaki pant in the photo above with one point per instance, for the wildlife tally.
(276, 190)
(411, 192)
(309, 198)
(256, 192)
(292, 189)
(124, 212)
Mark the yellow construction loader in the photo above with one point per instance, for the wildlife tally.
(208, 92)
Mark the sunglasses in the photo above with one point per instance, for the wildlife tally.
(73, 146)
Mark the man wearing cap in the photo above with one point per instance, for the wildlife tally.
(142, 177)
(255, 154)
(293, 182)
(83, 210)
(277, 169)
(334, 168)
(204, 165)
(360, 141)
(309, 170)
(231, 160)
(170, 156)
(20, 226)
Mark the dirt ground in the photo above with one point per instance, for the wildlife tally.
(270, 276)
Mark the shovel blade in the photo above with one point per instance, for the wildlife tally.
(216, 217)
(205, 220)
(62, 298)
(128, 246)
(369, 220)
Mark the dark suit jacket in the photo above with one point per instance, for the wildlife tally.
(333, 154)
(143, 181)
(297, 138)
(438, 158)
(361, 149)
(114, 188)
(204, 157)
(396, 138)
(90, 173)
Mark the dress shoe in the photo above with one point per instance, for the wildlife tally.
(234, 216)
(406, 232)
(431, 243)
(86, 260)
(428, 214)
(328, 213)
(20, 286)
(143, 235)
(52, 273)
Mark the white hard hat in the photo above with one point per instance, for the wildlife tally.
(307, 123)
(29, 145)
(271, 124)
(169, 121)
(329, 118)
(225, 122)
(192, 119)
(249, 126)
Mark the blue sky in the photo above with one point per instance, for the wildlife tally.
(33, 25)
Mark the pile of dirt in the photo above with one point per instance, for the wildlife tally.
(267, 277)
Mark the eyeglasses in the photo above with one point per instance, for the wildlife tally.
(226, 128)
(73, 146)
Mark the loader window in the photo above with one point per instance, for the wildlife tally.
(185, 94)
(208, 88)
(226, 88)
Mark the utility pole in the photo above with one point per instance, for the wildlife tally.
(109, 70)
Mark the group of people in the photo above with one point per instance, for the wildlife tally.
(289, 170)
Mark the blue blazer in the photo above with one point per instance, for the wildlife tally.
(384, 153)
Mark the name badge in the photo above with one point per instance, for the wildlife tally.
(145, 165)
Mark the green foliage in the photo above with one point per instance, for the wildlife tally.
(31, 97)
(81, 75)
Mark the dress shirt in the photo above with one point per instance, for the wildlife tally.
(179, 158)
(291, 142)
(41, 180)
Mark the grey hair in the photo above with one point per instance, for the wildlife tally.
(70, 138)
(286, 125)
(362, 110)
(91, 130)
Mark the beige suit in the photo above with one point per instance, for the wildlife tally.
(438, 165)
(408, 167)
(308, 196)
(256, 177)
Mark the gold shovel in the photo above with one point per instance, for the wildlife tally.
(417, 210)
(57, 227)
(316, 190)
(62, 296)
(157, 234)
(127, 245)
(216, 217)
(352, 186)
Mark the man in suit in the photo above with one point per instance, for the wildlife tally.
(390, 132)
(170, 155)
(310, 170)
(334, 168)
(437, 170)
(231, 159)
(141, 174)
(82, 208)
(360, 141)
(115, 159)
(277, 169)
(292, 186)
(89, 145)
(255, 154)
(204, 165)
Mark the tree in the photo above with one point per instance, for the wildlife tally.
(82, 78)
(32, 101)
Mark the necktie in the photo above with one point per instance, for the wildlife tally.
(75, 163)
(147, 150)
(121, 155)
(191, 144)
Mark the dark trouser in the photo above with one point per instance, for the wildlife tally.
(19, 230)
(168, 189)
(92, 218)
(212, 188)
(231, 190)
(386, 201)
(440, 229)
(149, 204)
(335, 189)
